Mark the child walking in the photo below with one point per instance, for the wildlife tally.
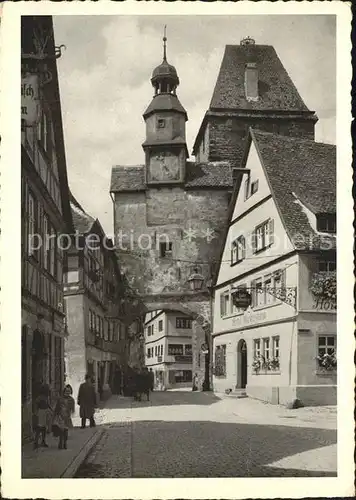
(41, 413)
(62, 416)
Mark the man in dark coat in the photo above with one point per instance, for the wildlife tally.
(87, 401)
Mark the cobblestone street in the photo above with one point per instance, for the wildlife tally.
(189, 434)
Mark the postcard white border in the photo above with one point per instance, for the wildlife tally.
(12, 484)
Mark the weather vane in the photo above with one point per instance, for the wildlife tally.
(164, 44)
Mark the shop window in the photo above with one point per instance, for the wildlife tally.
(183, 376)
(220, 361)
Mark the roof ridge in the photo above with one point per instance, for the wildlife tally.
(289, 138)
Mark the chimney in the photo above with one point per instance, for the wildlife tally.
(251, 82)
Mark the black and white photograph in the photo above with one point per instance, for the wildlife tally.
(182, 253)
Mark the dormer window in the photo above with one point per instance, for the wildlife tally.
(161, 122)
(251, 81)
(250, 188)
(326, 223)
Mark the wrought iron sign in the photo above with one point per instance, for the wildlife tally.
(242, 298)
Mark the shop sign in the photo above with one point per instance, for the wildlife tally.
(241, 299)
(30, 99)
(323, 304)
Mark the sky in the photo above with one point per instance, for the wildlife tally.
(105, 72)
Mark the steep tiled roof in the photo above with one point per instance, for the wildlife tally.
(128, 178)
(276, 90)
(82, 221)
(212, 174)
(299, 169)
(165, 102)
(198, 175)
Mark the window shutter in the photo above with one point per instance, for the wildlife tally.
(270, 231)
(253, 293)
(247, 185)
(243, 245)
(222, 305)
(253, 241)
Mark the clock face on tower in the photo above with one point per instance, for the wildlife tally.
(164, 166)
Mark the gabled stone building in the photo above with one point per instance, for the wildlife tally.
(170, 212)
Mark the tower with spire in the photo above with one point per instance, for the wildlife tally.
(165, 145)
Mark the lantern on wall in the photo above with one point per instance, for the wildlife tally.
(196, 280)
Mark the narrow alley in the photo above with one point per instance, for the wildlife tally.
(189, 434)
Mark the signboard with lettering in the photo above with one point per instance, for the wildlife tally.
(29, 99)
(242, 299)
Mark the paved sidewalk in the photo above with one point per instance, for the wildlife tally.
(256, 411)
(54, 463)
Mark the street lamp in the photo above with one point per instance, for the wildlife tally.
(196, 281)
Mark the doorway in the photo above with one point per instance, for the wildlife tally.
(241, 364)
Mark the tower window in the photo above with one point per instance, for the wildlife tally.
(161, 122)
(166, 249)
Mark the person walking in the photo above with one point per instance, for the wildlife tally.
(62, 420)
(87, 401)
(41, 415)
(152, 379)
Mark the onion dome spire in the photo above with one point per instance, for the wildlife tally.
(164, 77)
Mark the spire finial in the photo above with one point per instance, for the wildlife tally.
(164, 44)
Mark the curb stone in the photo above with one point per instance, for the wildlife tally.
(77, 461)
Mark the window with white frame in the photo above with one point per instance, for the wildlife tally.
(238, 250)
(256, 348)
(262, 236)
(258, 295)
(250, 187)
(184, 323)
(225, 307)
(326, 344)
(160, 325)
(275, 347)
(269, 298)
(266, 348)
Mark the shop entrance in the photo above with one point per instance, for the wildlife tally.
(241, 364)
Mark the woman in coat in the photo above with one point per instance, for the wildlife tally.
(87, 401)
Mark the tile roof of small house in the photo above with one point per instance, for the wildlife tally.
(276, 90)
(127, 178)
(210, 174)
(299, 169)
(82, 221)
(198, 175)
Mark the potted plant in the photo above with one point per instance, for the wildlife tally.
(323, 285)
(327, 361)
(273, 364)
(256, 364)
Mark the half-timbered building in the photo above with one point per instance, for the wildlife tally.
(46, 216)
